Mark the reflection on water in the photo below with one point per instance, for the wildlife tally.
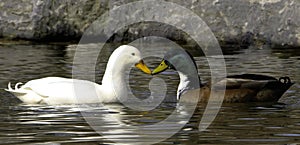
(236, 123)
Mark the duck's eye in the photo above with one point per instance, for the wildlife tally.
(133, 54)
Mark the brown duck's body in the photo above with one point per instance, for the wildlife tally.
(243, 88)
(239, 88)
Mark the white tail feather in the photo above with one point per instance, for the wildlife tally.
(9, 87)
(15, 91)
(17, 85)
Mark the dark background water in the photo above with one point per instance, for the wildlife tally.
(236, 123)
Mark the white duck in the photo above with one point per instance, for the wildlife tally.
(57, 90)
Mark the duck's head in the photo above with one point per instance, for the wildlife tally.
(178, 60)
(182, 62)
(126, 56)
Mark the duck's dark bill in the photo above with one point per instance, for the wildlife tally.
(141, 65)
(162, 67)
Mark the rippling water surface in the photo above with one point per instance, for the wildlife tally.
(64, 124)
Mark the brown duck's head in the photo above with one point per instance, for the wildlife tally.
(179, 60)
(164, 65)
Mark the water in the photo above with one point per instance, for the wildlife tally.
(236, 123)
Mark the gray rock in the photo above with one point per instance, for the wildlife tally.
(273, 23)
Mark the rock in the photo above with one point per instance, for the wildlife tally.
(274, 23)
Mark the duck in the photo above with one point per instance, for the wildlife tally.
(239, 88)
(59, 90)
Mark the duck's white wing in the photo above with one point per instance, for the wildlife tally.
(55, 90)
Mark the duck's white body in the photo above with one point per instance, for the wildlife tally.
(57, 90)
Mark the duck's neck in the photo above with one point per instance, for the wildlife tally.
(114, 79)
(187, 82)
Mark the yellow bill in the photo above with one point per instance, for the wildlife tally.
(162, 67)
(141, 65)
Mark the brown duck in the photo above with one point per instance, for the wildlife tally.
(239, 88)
